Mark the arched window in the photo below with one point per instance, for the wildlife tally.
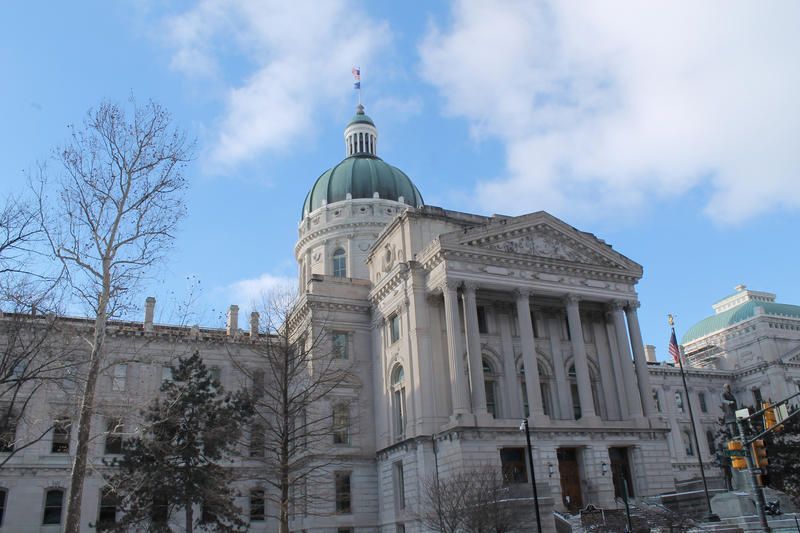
(339, 263)
(576, 401)
(341, 424)
(399, 402)
(53, 506)
(490, 386)
(544, 385)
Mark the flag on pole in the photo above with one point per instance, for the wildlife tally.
(357, 77)
(674, 350)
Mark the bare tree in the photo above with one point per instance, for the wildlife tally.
(299, 370)
(116, 205)
(472, 501)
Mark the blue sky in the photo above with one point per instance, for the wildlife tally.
(669, 129)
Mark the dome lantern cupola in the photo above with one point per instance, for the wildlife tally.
(361, 135)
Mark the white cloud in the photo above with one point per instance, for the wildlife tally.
(301, 54)
(606, 106)
(253, 293)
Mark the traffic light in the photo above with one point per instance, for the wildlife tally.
(760, 453)
(737, 457)
(770, 420)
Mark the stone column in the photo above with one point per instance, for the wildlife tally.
(511, 391)
(624, 357)
(642, 375)
(455, 348)
(579, 356)
(532, 386)
(474, 350)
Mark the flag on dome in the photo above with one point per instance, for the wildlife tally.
(674, 350)
(357, 77)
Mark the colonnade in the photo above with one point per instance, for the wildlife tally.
(469, 397)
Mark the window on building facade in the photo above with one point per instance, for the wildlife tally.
(69, 381)
(712, 444)
(679, 401)
(339, 339)
(107, 510)
(120, 378)
(53, 507)
(399, 402)
(656, 400)
(258, 383)
(687, 443)
(258, 505)
(257, 440)
(159, 512)
(341, 424)
(394, 328)
(490, 387)
(3, 497)
(339, 263)
(400, 528)
(512, 462)
(344, 530)
(8, 429)
(576, 397)
(701, 399)
(343, 495)
(482, 325)
(166, 373)
(399, 486)
(114, 435)
(757, 399)
(61, 433)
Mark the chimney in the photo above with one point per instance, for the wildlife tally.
(650, 353)
(233, 321)
(254, 317)
(149, 308)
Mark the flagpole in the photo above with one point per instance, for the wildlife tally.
(711, 517)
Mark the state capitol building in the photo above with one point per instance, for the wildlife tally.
(458, 326)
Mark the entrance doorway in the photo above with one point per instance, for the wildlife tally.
(569, 471)
(621, 469)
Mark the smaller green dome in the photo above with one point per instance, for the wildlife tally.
(360, 117)
(361, 176)
(740, 313)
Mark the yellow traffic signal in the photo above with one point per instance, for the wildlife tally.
(769, 416)
(737, 461)
(760, 453)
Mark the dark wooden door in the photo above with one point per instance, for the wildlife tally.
(570, 478)
(620, 468)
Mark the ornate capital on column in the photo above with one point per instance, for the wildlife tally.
(616, 305)
(470, 287)
(633, 305)
(450, 285)
(571, 299)
(522, 294)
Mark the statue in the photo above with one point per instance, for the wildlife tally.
(729, 407)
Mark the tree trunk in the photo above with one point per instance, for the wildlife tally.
(78, 475)
(189, 517)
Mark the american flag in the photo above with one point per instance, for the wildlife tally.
(674, 350)
(356, 73)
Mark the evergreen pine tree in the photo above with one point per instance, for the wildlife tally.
(173, 464)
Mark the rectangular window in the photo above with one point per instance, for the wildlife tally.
(344, 530)
(341, 424)
(258, 507)
(69, 379)
(159, 512)
(119, 381)
(257, 441)
(340, 344)
(53, 506)
(757, 399)
(482, 325)
(400, 528)
(343, 503)
(258, 383)
(3, 495)
(656, 400)
(399, 486)
(114, 433)
(679, 401)
(512, 461)
(394, 328)
(8, 430)
(701, 398)
(166, 373)
(61, 433)
(107, 514)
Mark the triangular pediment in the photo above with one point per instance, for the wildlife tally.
(541, 236)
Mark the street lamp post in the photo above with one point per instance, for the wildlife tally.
(524, 427)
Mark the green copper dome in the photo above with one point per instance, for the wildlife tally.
(740, 313)
(362, 176)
